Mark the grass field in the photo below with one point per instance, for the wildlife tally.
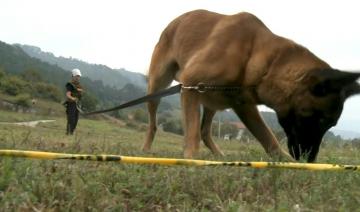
(43, 185)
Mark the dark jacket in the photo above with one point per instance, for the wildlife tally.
(72, 87)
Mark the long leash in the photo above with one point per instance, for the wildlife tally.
(200, 87)
(174, 161)
(167, 92)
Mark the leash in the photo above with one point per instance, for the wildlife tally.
(201, 88)
(174, 161)
(167, 92)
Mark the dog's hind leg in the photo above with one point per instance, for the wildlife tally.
(161, 74)
(250, 116)
(206, 131)
(150, 134)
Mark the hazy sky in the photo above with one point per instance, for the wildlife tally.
(122, 33)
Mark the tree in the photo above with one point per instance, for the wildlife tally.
(32, 75)
(227, 128)
(2, 72)
(13, 85)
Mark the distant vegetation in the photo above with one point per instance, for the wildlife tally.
(17, 63)
(27, 86)
(41, 76)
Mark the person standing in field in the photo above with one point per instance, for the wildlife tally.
(73, 96)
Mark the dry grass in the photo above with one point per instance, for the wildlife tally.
(41, 185)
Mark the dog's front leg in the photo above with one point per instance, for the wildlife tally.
(250, 116)
(191, 122)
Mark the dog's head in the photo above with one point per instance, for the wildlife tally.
(314, 108)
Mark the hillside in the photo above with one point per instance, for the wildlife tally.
(14, 61)
(346, 134)
(116, 78)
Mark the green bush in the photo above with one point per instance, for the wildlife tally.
(140, 115)
(32, 75)
(13, 85)
(89, 102)
(2, 73)
(174, 126)
(120, 114)
(23, 100)
(227, 128)
(47, 91)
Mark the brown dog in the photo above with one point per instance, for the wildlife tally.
(239, 50)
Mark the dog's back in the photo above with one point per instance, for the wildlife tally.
(239, 48)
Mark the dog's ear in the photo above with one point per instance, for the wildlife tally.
(352, 89)
(328, 81)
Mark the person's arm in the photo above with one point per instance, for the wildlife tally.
(71, 98)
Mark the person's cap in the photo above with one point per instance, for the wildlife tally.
(76, 72)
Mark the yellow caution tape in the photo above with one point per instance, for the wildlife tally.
(174, 161)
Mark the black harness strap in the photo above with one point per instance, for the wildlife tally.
(167, 92)
(202, 88)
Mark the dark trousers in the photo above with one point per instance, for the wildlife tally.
(72, 115)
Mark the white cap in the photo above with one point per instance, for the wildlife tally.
(76, 72)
